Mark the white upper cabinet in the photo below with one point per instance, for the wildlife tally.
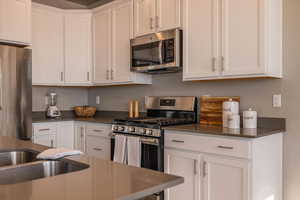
(168, 14)
(242, 38)
(144, 16)
(112, 31)
(232, 39)
(47, 46)
(156, 15)
(122, 26)
(200, 41)
(78, 33)
(15, 21)
(219, 172)
(61, 45)
(102, 45)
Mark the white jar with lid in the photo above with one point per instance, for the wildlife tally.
(229, 107)
(234, 121)
(250, 118)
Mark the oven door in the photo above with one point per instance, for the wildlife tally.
(152, 153)
(152, 158)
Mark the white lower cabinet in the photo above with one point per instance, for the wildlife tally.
(187, 165)
(218, 168)
(48, 140)
(94, 139)
(54, 134)
(98, 140)
(225, 178)
(65, 135)
(98, 147)
(80, 129)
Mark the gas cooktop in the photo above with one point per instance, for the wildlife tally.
(154, 121)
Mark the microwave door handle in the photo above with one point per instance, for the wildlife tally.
(160, 52)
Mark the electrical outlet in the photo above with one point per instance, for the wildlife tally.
(277, 100)
(97, 100)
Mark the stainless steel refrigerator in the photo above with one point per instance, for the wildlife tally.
(15, 92)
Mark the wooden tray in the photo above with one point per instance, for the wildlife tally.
(211, 109)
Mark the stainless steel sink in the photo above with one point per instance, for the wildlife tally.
(38, 170)
(17, 157)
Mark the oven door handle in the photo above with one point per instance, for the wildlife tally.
(144, 140)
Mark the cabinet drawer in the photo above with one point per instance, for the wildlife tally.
(98, 147)
(102, 130)
(44, 129)
(207, 144)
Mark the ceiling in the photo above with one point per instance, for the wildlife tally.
(73, 4)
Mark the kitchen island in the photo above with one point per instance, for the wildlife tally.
(103, 180)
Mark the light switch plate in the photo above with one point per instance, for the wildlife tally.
(277, 101)
(97, 100)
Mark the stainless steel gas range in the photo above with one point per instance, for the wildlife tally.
(161, 112)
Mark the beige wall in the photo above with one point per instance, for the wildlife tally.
(254, 93)
(67, 97)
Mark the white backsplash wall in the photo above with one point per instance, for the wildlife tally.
(67, 97)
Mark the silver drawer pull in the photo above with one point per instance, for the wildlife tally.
(178, 141)
(45, 129)
(98, 131)
(224, 147)
(97, 149)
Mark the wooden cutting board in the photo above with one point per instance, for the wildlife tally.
(211, 109)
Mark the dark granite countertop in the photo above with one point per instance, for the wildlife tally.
(103, 180)
(266, 126)
(104, 117)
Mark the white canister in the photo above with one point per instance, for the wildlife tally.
(234, 121)
(229, 107)
(250, 118)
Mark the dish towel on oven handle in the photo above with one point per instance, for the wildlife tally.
(134, 148)
(120, 154)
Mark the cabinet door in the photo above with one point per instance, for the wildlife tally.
(65, 135)
(200, 39)
(122, 26)
(47, 47)
(144, 17)
(225, 178)
(80, 132)
(242, 37)
(168, 14)
(46, 140)
(16, 21)
(183, 164)
(102, 46)
(77, 47)
(98, 147)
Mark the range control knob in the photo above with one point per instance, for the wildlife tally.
(132, 129)
(150, 132)
(121, 128)
(115, 128)
(144, 131)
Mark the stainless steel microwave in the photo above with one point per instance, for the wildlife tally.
(157, 53)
